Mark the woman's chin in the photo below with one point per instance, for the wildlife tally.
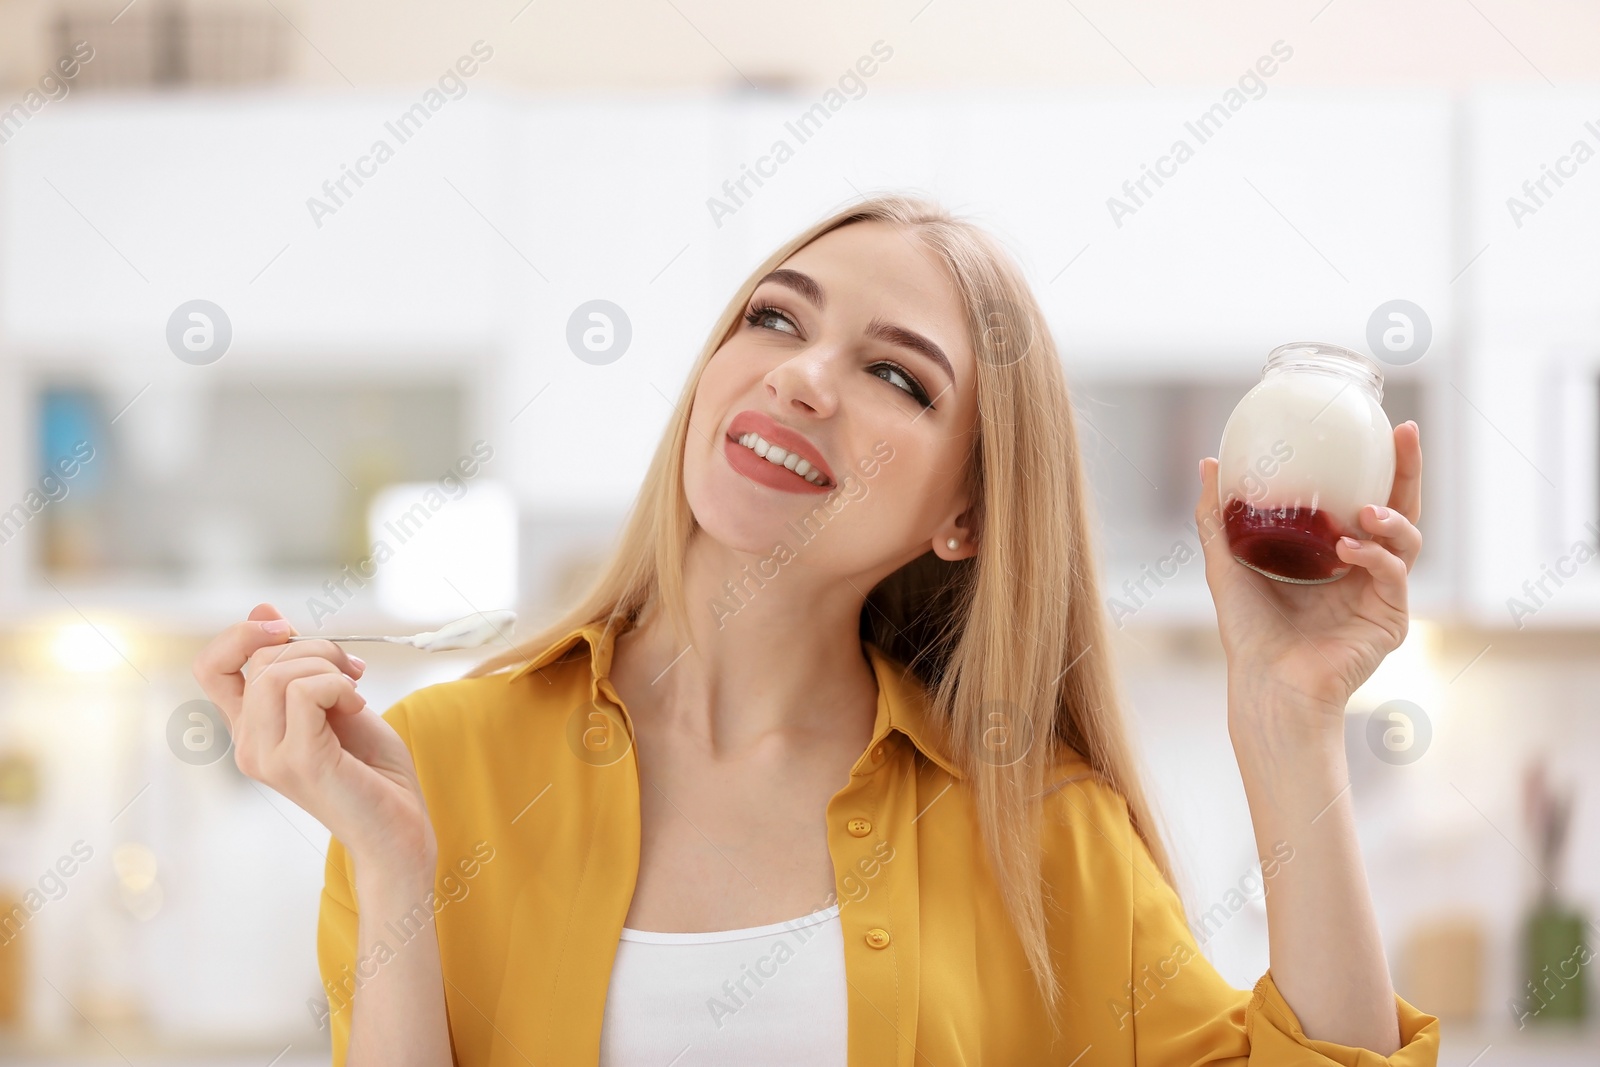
(741, 531)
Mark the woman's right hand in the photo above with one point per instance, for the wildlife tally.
(299, 726)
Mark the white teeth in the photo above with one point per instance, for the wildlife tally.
(777, 456)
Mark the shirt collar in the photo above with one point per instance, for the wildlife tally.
(902, 698)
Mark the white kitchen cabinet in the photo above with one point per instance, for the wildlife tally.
(118, 210)
(463, 260)
(1530, 391)
(606, 199)
(1294, 220)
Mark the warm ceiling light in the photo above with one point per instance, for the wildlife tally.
(82, 647)
(135, 865)
(1410, 672)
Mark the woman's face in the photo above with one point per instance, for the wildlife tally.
(854, 355)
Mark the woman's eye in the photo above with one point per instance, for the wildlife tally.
(895, 377)
(758, 317)
(761, 318)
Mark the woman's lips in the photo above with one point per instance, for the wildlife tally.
(765, 472)
(746, 462)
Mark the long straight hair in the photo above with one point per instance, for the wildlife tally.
(1019, 626)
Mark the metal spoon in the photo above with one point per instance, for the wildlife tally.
(467, 632)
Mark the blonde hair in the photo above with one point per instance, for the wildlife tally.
(1019, 625)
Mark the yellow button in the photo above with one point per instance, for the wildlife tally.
(877, 753)
(858, 827)
(878, 937)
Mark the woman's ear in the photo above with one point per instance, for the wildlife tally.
(956, 539)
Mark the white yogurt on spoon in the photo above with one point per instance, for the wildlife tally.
(469, 632)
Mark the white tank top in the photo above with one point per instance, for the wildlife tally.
(773, 995)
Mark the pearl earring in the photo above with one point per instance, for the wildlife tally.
(953, 544)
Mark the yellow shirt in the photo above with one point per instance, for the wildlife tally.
(534, 797)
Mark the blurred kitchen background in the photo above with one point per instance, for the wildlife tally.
(274, 276)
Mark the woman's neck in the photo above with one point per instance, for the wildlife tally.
(788, 660)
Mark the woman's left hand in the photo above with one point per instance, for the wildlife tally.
(1319, 641)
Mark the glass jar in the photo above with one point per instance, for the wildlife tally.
(1305, 450)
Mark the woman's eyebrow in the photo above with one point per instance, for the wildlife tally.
(807, 287)
(803, 284)
(899, 335)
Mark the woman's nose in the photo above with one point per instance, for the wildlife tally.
(808, 380)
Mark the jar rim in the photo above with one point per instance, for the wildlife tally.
(1323, 356)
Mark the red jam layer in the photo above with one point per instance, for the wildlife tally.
(1295, 544)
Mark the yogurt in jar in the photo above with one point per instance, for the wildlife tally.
(1303, 452)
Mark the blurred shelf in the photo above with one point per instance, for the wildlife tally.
(183, 609)
(1184, 600)
(173, 610)
(163, 1059)
(24, 1051)
(1545, 1045)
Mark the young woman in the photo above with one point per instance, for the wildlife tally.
(828, 766)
